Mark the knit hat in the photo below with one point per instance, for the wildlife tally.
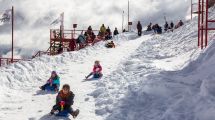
(54, 72)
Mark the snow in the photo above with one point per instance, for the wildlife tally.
(167, 78)
(22, 80)
(153, 77)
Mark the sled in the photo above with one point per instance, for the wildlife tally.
(50, 88)
(63, 113)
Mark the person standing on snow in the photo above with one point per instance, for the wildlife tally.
(102, 30)
(149, 27)
(139, 28)
(108, 34)
(166, 26)
(171, 25)
(97, 70)
(115, 32)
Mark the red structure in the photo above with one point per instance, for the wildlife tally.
(203, 21)
(66, 40)
(7, 61)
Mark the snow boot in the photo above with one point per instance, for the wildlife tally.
(75, 113)
(52, 112)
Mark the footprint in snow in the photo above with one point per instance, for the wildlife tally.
(87, 99)
(40, 111)
(32, 118)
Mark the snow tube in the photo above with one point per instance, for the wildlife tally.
(64, 113)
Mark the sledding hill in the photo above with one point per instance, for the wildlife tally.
(20, 98)
(154, 77)
(167, 78)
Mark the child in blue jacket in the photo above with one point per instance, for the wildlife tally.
(53, 81)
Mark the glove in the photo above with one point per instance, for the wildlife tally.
(62, 103)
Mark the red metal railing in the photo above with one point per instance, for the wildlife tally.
(203, 21)
(67, 36)
(40, 53)
(7, 61)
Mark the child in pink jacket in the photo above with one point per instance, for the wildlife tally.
(97, 70)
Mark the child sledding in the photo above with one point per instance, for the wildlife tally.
(53, 83)
(97, 70)
(110, 45)
(64, 101)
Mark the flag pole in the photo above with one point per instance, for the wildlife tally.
(128, 15)
(122, 19)
(12, 33)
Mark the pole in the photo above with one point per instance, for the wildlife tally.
(206, 31)
(122, 19)
(202, 26)
(12, 32)
(50, 50)
(128, 15)
(62, 25)
(199, 19)
(191, 9)
(164, 17)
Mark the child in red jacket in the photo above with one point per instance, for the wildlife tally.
(97, 70)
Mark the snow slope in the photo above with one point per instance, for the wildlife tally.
(167, 78)
(153, 77)
(20, 98)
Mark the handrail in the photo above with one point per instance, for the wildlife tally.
(9, 60)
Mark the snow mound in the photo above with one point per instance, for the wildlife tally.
(166, 78)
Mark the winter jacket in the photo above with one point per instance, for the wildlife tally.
(67, 98)
(81, 39)
(102, 29)
(172, 25)
(115, 32)
(97, 69)
(55, 80)
(108, 31)
(181, 23)
(139, 27)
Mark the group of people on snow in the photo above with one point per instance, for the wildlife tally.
(105, 33)
(84, 38)
(65, 97)
(158, 29)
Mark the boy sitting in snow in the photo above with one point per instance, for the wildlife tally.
(53, 81)
(64, 101)
(97, 70)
